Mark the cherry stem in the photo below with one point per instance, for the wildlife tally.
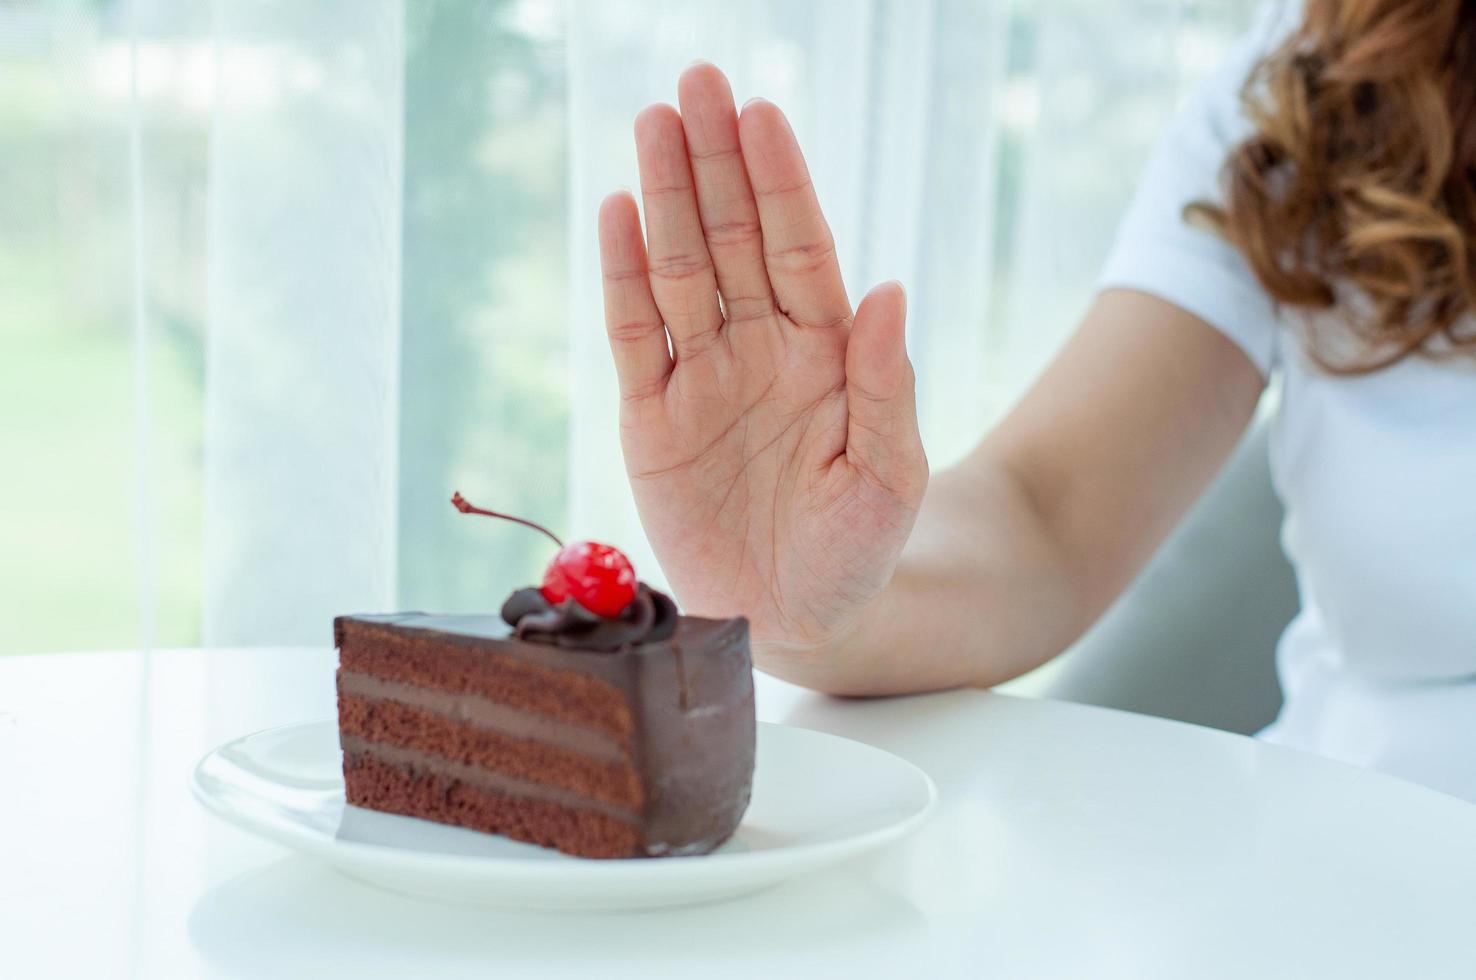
(463, 505)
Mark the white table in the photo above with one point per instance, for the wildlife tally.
(1070, 842)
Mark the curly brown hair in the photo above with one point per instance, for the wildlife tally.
(1361, 175)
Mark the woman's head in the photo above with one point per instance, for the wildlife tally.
(1361, 173)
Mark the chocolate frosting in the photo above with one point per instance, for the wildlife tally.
(650, 618)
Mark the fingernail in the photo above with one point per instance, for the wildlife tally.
(754, 101)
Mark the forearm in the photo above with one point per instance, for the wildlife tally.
(982, 594)
(1019, 548)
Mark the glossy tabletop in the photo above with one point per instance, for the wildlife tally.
(1069, 842)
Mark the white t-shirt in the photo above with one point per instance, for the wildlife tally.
(1377, 474)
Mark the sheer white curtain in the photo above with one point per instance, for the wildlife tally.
(302, 368)
(277, 277)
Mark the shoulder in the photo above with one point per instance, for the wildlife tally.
(1157, 250)
(1213, 119)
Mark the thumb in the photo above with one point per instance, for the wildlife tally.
(881, 435)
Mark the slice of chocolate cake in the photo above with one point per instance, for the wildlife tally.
(600, 735)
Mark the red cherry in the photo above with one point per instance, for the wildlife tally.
(595, 575)
(555, 586)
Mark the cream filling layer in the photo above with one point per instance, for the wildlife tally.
(482, 712)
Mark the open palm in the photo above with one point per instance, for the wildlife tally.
(772, 443)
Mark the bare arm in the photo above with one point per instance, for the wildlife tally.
(1021, 546)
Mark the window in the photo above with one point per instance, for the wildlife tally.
(276, 278)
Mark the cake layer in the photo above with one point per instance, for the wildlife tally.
(482, 712)
(444, 662)
(397, 782)
(394, 724)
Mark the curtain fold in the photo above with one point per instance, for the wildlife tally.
(302, 363)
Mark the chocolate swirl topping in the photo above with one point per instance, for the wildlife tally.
(650, 618)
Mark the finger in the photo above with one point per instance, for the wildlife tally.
(725, 201)
(637, 334)
(682, 277)
(799, 251)
(882, 436)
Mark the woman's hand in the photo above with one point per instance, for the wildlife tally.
(773, 447)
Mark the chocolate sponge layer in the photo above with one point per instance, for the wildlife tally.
(458, 664)
(378, 785)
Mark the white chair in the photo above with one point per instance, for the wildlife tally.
(1194, 637)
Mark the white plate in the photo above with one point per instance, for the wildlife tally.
(817, 799)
